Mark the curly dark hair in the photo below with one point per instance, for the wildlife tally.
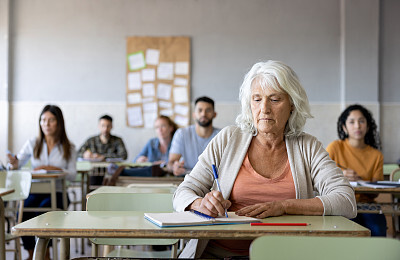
(372, 136)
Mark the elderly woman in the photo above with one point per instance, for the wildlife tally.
(267, 165)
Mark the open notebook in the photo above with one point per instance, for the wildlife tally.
(191, 218)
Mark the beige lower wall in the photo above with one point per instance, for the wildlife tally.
(81, 122)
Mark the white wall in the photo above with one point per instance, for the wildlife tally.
(72, 53)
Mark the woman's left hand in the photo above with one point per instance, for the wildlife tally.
(263, 210)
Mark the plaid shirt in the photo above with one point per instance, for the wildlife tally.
(114, 148)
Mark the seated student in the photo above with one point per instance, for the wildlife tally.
(51, 150)
(105, 145)
(189, 142)
(267, 165)
(157, 149)
(357, 154)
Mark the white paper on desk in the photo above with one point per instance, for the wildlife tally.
(149, 118)
(134, 98)
(164, 104)
(152, 56)
(136, 61)
(182, 110)
(167, 112)
(164, 91)
(148, 90)
(180, 95)
(148, 74)
(181, 68)
(134, 81)
(165, 70)
(181, 120)
(150, 107)
(135, 116)
(180, 82)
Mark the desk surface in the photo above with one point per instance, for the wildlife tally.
(144, 189)
(5, 191)
(363, 189)
(131, 224)
(49, 175)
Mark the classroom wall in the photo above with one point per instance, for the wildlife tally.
(72, 53)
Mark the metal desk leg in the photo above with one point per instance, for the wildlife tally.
(40, 248)
(2, 232)
(64, 249)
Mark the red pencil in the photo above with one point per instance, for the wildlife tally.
(279, 224)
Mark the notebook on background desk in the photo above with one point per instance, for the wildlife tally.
(190, 218)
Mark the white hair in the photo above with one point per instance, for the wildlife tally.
(280, 77)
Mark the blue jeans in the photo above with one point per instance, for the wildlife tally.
(37, 201)
(374, 222)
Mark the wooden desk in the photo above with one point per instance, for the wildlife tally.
(3, 191)
(131, 224)
(46, 183)
(378, 208)
(119, 189)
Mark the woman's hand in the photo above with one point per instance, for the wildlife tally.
(178, 168)
(142, 159)
(213, 204)
(263, 210)
(351, 175)
(13, 161)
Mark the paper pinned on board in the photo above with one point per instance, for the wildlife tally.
(182, 110)
(134, 98)
(136, 61)
(180, 95)
(181, 120)
(148, 75)
(149, 118)
(164, 104)
(181, 68)
(152, 56)
(165, 71)
(135, 116)
(134, 81)
(167, 112)
(180, 82)
(164, 91)
(148, 90)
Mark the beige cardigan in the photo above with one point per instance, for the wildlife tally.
(314, 175)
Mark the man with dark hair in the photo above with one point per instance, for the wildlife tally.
(105, 145)
(189, 142)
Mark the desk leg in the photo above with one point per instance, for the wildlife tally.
(2, 232)
(64, 249)
(40, 248)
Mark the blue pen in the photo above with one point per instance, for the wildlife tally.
(215, 172)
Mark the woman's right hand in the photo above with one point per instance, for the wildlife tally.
(351, 175)
(142, 158)
(13, 161)
(213, 204)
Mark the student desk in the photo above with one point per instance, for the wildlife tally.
(46, 183)
(131, 224)
(119, 189)
(378, 208)
(3, 191)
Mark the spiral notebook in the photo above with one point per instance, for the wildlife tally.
(195, 218)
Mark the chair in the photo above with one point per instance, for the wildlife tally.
(20, 181)
(153, 187)
(395, 176)
(327, 248)
(148, 202)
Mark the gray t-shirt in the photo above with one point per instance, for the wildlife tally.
(188, 144)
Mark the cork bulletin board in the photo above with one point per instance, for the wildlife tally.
(157, 80)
